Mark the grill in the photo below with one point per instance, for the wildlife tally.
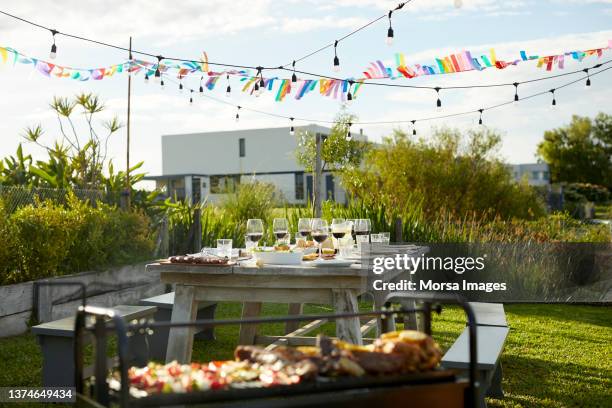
(432, 389)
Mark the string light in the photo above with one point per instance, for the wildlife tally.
(228, 91)
(554, 101)
(201, 85)
(413, 127)
(191, 97)
(348, 131)
(516, 97)
(291, 129)
(157, 70)
(161, 82)
(294, 76)
(146, 77)
(349, 95)
(588, 81)
(480, 119)
(238, 113)
(390, 31)
(336, 59)
(439, 101)
(181, 83)
(53, 52)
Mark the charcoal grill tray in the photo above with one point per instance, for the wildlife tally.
(322, 384)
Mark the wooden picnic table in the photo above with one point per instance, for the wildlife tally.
(330, 285)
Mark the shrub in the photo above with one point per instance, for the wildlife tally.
(580, 192)
(8, 247)
(452, 174)
(49, 239)
(250, 200)
(45, 234)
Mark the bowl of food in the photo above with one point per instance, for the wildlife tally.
(278, 256)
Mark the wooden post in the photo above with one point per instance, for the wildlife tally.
(128, 187)
(197, 230)
(398, 230)
(316, 180)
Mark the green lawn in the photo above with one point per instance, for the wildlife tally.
(555, 356)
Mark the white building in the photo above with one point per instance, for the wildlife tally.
(205, 165)
(537, 174)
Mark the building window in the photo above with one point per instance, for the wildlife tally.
(241, 147)
(534, 175)
(299, 186)
(545, 175)
(224, 184)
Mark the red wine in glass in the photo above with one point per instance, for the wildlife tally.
(338, 235)
(319, 237)
(361, 232)
(280, 234)
(255, 237)
(304, 233)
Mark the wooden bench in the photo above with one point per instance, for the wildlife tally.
(158, 342)
(56, 341)
(491, 333)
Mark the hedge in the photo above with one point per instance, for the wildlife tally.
(47, 239)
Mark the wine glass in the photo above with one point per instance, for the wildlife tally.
(320, 232)
(304, 227)
(280, 226)
(255, 230)
(338, 228)
(353, 222)
(362, 230)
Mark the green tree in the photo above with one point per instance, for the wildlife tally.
(581, 151)
(450, 173)
(337, 151)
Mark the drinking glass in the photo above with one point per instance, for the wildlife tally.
(255, 230)
(352, 223)
(224, 248)
(248, 244)
(304, 228)
(280, 226)
(362, 229)
(386, 237)
(320, 233)
(338, 229)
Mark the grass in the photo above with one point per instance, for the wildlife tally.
(555, 355)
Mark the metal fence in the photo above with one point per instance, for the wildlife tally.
(15, 197)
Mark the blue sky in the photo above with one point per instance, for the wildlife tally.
(265, 32)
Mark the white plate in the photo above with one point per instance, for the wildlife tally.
(331, 262)
(279, 258)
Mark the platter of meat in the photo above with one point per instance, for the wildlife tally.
(198, 260)
(394, 358)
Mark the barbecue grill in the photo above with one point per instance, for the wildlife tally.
(431, 389)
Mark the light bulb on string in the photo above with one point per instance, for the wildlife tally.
(389, 40)
(238, 114)
(161, 83)
(439, 101)
(201, 85)
(516, 97)
(413, 127)
(191, 97)
(480, 118)
(588, 81)
(349, 95)
(146, 77)
(256, 90)
(348, 131)
(53, 52)
(293, 76)
(291, 128)
(228, 91)
(553, 104)
(157, 69)
(181, 84)
(336, 59)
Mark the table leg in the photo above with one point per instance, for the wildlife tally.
(387, 324)
(180, 339)
(294, 309)
(249, 331)
(345, 301)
